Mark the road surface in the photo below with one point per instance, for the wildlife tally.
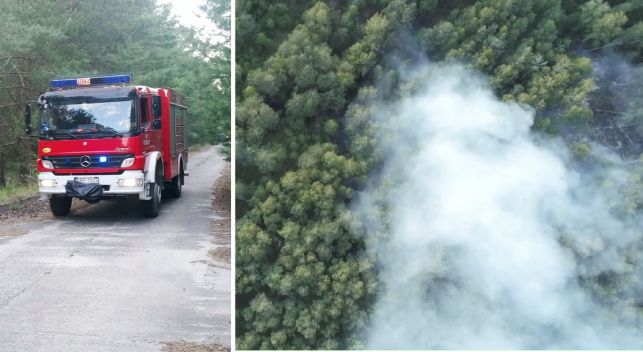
(106, 279)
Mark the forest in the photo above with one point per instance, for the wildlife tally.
(43, 40)
(320, 132)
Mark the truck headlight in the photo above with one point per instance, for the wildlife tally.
(47, 183)
(130, 182)
(47, 164)
(127, 162)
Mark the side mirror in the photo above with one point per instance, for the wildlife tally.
(27, 116)
(156, 107)
(156, 124)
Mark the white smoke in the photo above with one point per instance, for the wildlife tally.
(491, 239)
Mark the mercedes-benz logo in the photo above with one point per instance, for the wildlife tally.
(85, 161)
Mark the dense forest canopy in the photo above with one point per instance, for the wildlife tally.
(56, 39)
(307, 75)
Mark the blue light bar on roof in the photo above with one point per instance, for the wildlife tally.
(91, 81)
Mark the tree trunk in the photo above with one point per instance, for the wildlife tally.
(3, 162)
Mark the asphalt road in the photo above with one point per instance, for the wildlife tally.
(106, 279)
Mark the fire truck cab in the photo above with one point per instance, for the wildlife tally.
(100, 137)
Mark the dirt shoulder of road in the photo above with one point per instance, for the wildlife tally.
(182, 346)
(31, 208)
(22, 209)
(221, 204)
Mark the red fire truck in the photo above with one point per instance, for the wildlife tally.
(101, 137)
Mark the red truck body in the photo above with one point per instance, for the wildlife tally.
(121, 140)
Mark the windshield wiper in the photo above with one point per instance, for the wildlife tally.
(97, 134)
(55, 132)
(116, 134)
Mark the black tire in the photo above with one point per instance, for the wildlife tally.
(60, 206)
(151, 207)
(177, 183)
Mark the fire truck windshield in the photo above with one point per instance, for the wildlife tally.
(75, 117)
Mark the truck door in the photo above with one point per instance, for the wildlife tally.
(151, 134)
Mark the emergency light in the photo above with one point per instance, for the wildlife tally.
(90, 81)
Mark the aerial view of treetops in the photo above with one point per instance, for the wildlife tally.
(439, 174)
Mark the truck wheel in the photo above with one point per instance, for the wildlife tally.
(176, 185)
(60, 206)
(151, 207)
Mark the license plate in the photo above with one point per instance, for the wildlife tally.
(86, 179)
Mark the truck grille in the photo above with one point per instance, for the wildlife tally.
(74, 162)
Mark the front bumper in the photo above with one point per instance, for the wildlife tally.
(55, 184)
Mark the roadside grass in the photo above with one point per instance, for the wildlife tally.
(225, 150)
(14, 191)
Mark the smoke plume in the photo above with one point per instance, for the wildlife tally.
(493, 236)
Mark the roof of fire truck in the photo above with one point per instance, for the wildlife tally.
(103, 87)
(114, 83)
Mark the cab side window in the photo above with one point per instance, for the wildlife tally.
(144, 113)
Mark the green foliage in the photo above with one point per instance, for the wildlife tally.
(305, 258)
(599, 23)
(14, 190)
(261, 26)
(520, 45)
